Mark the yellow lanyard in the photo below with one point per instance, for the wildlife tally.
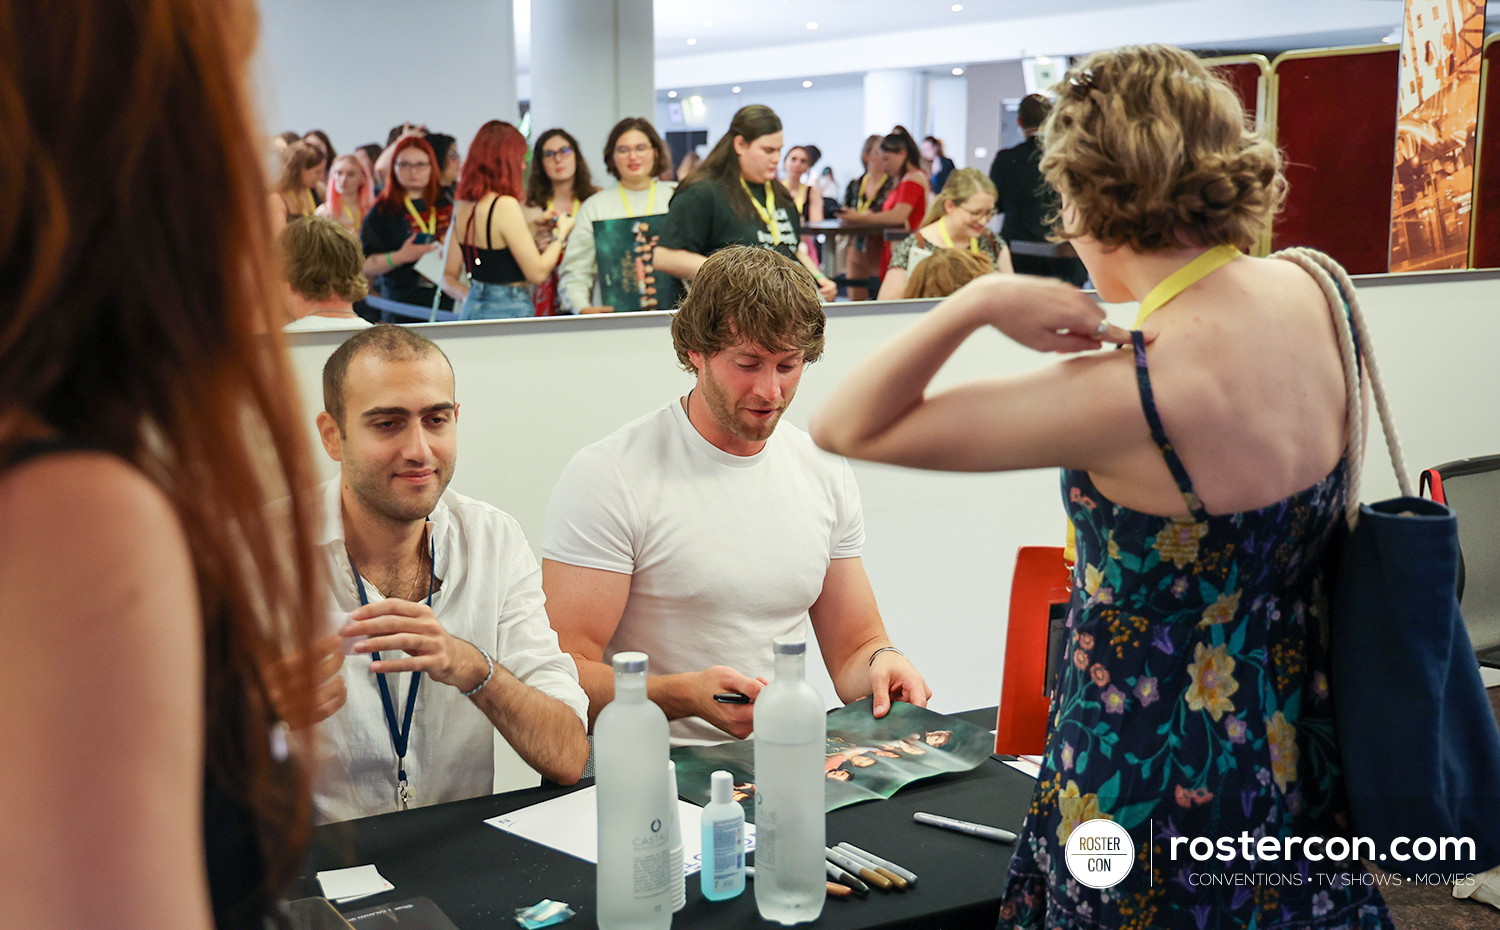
(650, 201)
(311, 202)
(574, 211)
(864, 202)
(800, 197)
(948, 240)
(351, 215)
(764, 215)
(429, 227)
(1185, 277)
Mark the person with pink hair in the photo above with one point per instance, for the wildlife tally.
(350, 193)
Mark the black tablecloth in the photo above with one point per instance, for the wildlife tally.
(480, 875)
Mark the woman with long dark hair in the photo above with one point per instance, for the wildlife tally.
(491, 239)
(150, 419)
(733, 198)
(862, 256)
(302, 167)
(557, 185)
(409, 220)
(906, 204)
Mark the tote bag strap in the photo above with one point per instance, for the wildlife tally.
(1354, 348)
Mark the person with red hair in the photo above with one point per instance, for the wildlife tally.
(408, 220)
(350, 193)
(494, 243)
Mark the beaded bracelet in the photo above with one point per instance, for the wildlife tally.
(480, 687)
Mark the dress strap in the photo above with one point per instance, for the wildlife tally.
(1158, 434)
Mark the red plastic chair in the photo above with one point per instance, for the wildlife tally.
(1041, 579)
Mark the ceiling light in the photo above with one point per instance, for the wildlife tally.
(708, 24)
(671, 93)
(812, 25)
(807, 83)
(735, 89)
(957, 71)
(957, 8)
(692, 41)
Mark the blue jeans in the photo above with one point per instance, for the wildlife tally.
(496, 302)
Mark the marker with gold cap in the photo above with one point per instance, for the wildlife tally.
(856, 868)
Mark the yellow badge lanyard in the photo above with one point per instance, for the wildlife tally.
(864, 202)
(574, 211)
(650, 201)
(948, 240)
(1185, 277)
(800, 197)
(430, 226)
(353, 217)
(311, 201)
(1175, 283)
(764, 215)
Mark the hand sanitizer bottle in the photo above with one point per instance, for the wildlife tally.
(723, 875)
(791, 734)
(630, 766)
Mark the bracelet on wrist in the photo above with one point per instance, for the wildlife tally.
(491, 674)
(389, 261)
(885, 649)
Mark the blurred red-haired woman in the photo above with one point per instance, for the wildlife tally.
(494, 243)
(150, 417)
(409, 220)
(350, 193)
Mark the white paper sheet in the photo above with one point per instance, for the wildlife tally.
(570, 824)
(340, 885)
(1026, 765)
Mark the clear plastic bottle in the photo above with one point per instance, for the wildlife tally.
(678, 877)
(790, 746)
(723, 875)
(630, 765)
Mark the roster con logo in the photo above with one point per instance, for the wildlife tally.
(1099, 853)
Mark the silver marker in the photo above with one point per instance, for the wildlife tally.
(911, 877)
(963, 826)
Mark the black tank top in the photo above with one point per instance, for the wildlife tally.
(236, 871)
(490, 266)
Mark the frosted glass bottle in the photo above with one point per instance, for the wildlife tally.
(630, 768)
(678, 878)
(723, 874)
(790, 745)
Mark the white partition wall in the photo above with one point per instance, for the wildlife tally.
(941, 546)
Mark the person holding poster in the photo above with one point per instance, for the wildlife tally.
(613, 242)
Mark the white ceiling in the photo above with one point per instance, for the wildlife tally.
(739, 42)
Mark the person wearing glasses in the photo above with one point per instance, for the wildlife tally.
(409, 220)
(956, 220)
(557, 185)
(635, 154)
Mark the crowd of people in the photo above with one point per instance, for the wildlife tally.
(210, 650)
(519, 232)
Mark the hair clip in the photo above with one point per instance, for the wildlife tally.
(1082, 82)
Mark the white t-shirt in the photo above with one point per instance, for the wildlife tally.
(491, 595)
(726, 552)
(315, 323)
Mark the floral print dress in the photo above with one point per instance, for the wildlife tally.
(1194, 705)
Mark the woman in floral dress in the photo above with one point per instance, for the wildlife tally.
(1204, 471)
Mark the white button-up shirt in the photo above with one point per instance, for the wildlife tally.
(491, 595)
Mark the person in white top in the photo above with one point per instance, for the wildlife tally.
(635, 154)
(439, 586)
(323, 266)
(696, 537)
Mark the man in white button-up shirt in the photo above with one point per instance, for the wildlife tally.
(443, 587)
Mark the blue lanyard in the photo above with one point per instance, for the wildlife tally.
(400, 737)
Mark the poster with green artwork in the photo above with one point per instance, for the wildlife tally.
(865, 760)
(628, 280)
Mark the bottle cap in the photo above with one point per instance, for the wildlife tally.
(722, 787)
(789, 645)
(630, 662)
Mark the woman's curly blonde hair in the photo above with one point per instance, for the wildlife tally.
(1152, 150)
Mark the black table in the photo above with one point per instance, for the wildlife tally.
(480, 875)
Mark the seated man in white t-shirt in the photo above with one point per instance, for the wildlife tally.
(693, 536)
(449, 637)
